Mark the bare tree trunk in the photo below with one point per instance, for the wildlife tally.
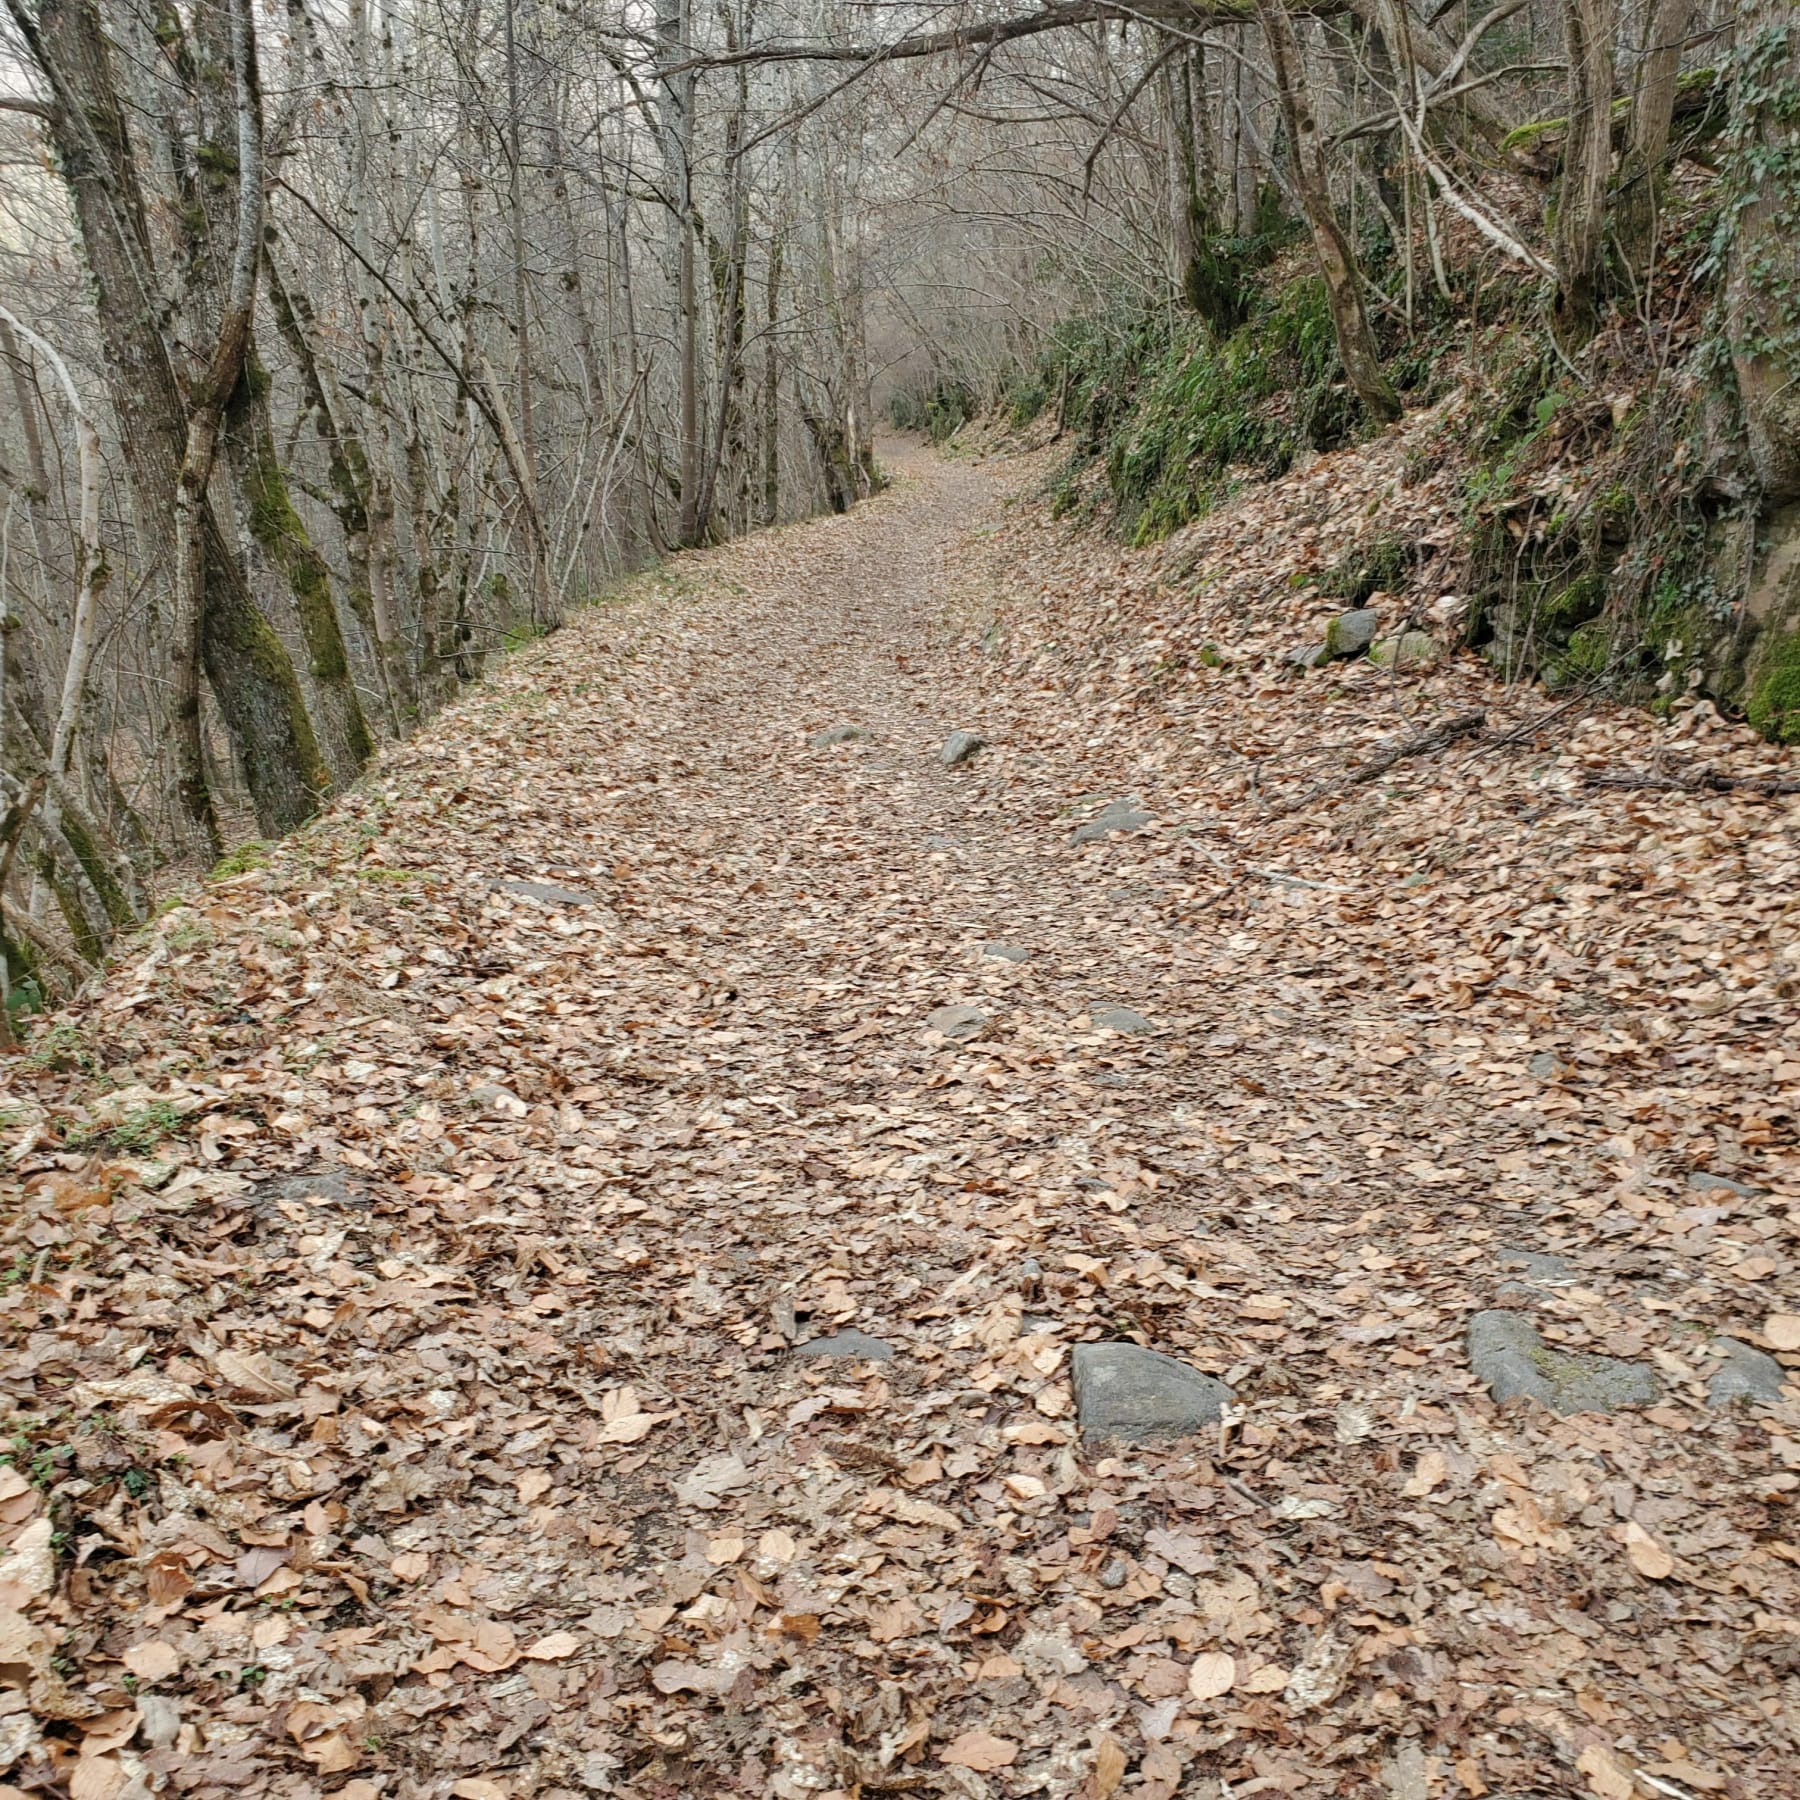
(1642, 175)
(1331, 243)
(771, 387)
(1590, 28)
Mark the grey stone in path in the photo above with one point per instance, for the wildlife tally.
(1507, 1353)
(1125, 1391)
(839, 734)
(1746, 1374)
(1538, 1265)
(1012, 953)
(546, 893)
(1410, 650)
(1351, 633)
(848, 1345)
(1706, 1182)
(959, 746)
(1119, 1018)
(959, 1022)
(1115, 815)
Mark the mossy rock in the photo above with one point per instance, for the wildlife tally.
(1772, 700)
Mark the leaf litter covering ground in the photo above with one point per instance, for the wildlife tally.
(412, 1234)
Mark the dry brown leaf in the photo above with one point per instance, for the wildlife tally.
(1607, 1775)
(1214, 1673)
(152, 1661)
(1782, 1330)
(1109, 1767)
(1432, 1468)
(96, 1778)
(980, 1751)
(1648, 1556)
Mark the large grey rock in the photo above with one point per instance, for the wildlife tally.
(848, 1345)
(1746, 1374)
(1351, 633)
(1119, 1018)
(1309, 656)
(959, 746)
(1507, 1353)
(1115, 815)
(1012, 953)
(959, 1022)
(839, 734)
(1410, 650)
(546, 893)
(1125, 1391)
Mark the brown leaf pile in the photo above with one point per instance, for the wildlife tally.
(412, 1234)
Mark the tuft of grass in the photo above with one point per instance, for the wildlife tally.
(247, 856)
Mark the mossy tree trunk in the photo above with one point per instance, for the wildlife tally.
(1762, 301)
(279, 532)
(252, 675)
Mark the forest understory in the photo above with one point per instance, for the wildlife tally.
(418, 1228)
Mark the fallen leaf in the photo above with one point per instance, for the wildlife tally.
(96, 1778)
(552, 1648)
(1607, 1776)
(980, 1751)
(1782, 1330)
(1214, 1673)
(1109, 1767)
(1432, 1468)
(1647, 1556)
(152, 1661)
(29, 1567)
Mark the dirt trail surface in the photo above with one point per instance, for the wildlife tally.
(425, 1238)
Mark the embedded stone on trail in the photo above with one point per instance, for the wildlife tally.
(1746, 1374)
(1127, 1392)
(1351, 633)
(849, 1345)
(1538, 1266)
(1506, 1352)
(546, 893)
(1705, 1181)
(959, 1022)
(1012, 953)
(1115, 815)
(838, 734)
(1410, 650)
(1119, 1018)
(1309, 656)
(959, 746)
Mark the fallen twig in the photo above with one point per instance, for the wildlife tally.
(1702, 781)
(1439, 737)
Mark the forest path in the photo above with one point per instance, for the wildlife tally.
(544, 1094)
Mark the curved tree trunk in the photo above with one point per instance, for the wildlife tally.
(252, 675)
(1331, 243)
